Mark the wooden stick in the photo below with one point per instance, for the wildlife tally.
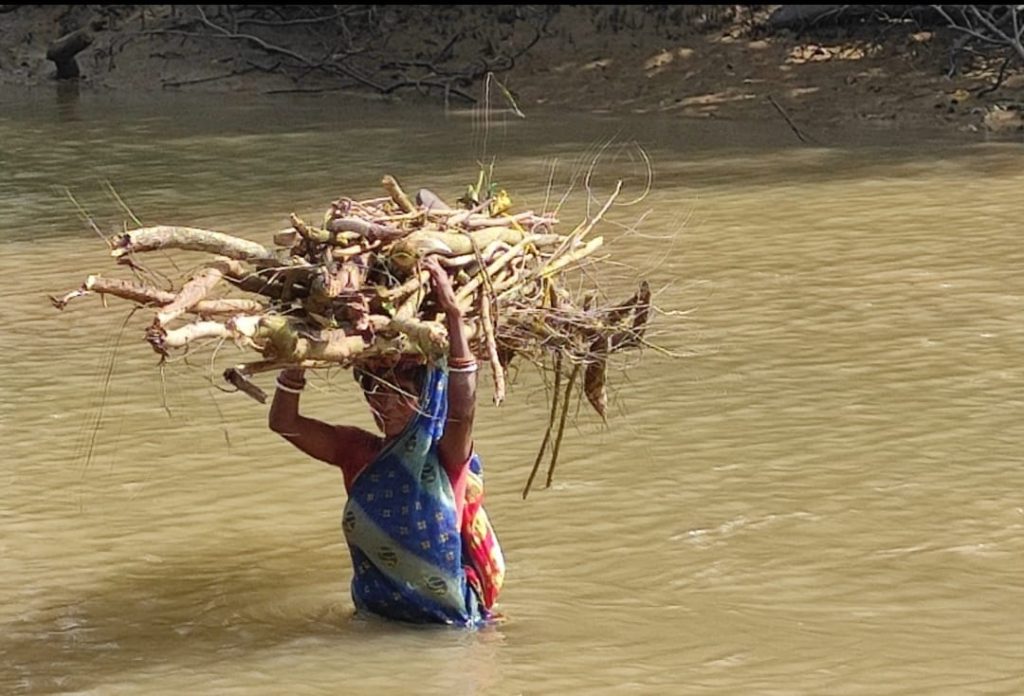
(459, 243)
(497, 371)
(292, 340)
(286, 238)
(526, 218)
(242, 383)
(469, 288)
(335, 346)
(191, 293)
(399, 196)
(431, 201)
(561, 425)
(402, 217)
(146, 295)
(371, 231)
(259, 366)
(259, 284)
(789, 122)
(600, 214)
(183, 336)
(551, 424)
(241, 375)
(192, 239)
(430, 336)
(572, 256)
(582, 231)
(465, 259)
(128, 290)
(508, 280)
(409, 286)
(342, 253)
(316, 234)
(410, 307)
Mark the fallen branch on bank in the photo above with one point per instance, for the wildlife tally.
(351, 290)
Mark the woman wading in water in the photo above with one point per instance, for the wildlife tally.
(422, 547)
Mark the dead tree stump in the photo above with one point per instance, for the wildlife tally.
(63, 51)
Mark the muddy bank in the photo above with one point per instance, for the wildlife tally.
(704, 62)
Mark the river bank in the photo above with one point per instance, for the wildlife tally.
(709, 65)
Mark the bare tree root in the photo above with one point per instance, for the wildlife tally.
(990, 30)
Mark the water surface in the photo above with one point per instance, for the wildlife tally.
(821, 495)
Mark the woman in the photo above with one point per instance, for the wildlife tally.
(422, 547)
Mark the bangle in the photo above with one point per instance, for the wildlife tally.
(468, 368)
(461, 362)
(289, 388)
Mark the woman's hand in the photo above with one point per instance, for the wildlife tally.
(456, 445)
(443, 291)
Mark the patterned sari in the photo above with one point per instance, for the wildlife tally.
(412, 560)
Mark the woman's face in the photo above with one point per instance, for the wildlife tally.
(393, 396)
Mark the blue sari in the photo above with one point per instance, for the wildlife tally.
(401, 527)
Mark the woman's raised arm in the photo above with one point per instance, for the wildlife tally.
(456, 444)
(316, 438)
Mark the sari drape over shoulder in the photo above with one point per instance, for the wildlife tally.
(412, 560)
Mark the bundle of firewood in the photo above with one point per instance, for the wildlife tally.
(352, 289)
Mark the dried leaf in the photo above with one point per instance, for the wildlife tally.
(594, 387)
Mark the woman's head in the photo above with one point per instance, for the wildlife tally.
(392, 393)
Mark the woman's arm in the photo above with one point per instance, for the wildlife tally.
(316, 438)
(456, 444)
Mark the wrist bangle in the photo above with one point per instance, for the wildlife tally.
(289, 388)
(461, 362)
(468, 368)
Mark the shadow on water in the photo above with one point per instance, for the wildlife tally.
(68, 96)
(136, 617)
(147, 617)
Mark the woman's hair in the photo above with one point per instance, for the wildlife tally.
(394, 378)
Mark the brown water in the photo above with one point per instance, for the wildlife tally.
(823, 496)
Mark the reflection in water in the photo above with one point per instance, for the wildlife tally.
(67, 93)
(823, 497)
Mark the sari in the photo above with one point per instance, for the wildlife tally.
(412, 560)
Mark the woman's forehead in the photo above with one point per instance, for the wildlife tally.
(408, 379)
(400, 372)
(379, 365)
